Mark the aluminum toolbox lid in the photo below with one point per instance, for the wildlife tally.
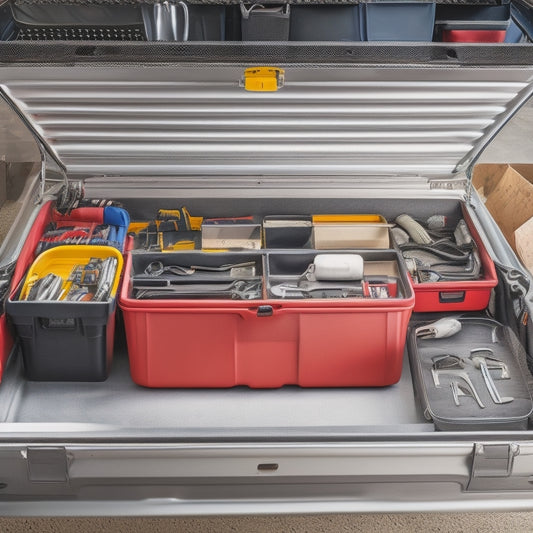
(151, 109)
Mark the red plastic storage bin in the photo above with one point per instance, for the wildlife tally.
(355, 342)
(472, 23)
(473, 36)
(459, 295)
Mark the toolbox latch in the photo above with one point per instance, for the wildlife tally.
(47, 465)
(265, 310)
(491, 461)
(263, 79)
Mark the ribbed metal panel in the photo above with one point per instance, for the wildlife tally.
(325, 121)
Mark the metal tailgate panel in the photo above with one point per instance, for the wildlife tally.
(233, 478)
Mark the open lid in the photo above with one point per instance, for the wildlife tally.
(183, 110)
(20, 142)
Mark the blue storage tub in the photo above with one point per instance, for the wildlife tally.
(325, 23)
(398, 21)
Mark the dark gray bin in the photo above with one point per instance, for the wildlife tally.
(207, 23)
(325, 23)
(265, 23)
(64, 341)
(398, 21)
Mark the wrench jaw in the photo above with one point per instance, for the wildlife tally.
(445, 362)
(480, 358)
(491, 362)
(457, 374)
(480, 361)
(460, 389)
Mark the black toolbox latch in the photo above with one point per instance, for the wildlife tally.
(265, 310)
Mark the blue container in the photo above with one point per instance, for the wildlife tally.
(325, 23)
(398, 21)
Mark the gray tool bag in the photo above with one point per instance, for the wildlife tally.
(469, 374)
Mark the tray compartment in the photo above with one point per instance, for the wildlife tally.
(265, 22)
(398, 21)
(325, 23)
(100, 226)
(467, 295)
(473, 23)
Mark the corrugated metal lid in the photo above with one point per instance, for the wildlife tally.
(326, 120)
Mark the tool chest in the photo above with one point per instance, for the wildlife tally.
(270, 339)
(223, 289)
(67, 333)
(276, 198)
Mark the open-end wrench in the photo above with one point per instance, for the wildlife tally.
(480, 362)
(457, 374)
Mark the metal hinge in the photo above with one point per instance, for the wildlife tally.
(70, 195)
(53, 176)
(47, 465)
(491, 461)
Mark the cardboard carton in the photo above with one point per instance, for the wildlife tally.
(508, 190)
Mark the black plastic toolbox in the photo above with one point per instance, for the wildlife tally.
(65, 341)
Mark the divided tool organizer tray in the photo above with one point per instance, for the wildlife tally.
(326, 232)
(448, 263)
(266, 318)
(376, 21)
(468, 373)
(64, 313)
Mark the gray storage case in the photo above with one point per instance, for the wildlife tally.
(478, 335)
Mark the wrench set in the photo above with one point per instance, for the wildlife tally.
(467, 370)
(263, 276)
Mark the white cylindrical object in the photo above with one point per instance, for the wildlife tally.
(330, 267)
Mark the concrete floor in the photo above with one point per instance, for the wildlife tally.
(513, 145)
(408, 523)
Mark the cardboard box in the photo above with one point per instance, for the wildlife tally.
(508, 190)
